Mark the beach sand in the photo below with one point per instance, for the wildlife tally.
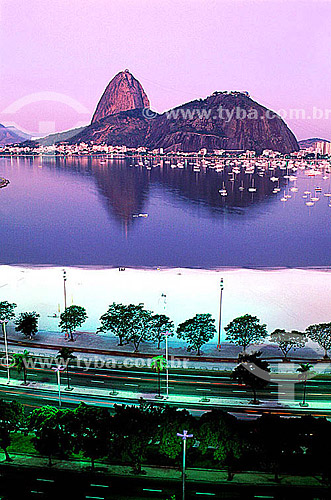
(281, 298)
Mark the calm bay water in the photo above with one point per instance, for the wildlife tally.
(83, 211)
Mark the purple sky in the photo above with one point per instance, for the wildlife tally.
(179, 50)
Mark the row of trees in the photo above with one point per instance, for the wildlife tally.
(133, 324)
(148, 434)
(27, 322)
(247, 330)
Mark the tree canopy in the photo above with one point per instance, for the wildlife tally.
(252, 371)
(11, 419)
(160, 325)
(217, 432)
(72, 318)
(245, 330)
(321, 333)
(7, 310)
(130, 323)
(171, 421)
(133, 429)
(197, 331)
(27, 323)
(53, 431)
(92, 431)
(114, 321)
(288, 340)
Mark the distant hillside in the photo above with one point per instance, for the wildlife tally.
(19, 132)
(308, 143)
(10, 135)
(51, 139)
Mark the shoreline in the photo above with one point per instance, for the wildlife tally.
(289, 298)
(167, 268)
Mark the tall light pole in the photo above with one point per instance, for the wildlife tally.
(184, 437)
(65, 294)
(167, 334)
(4, 321)
(57, 370)
(220, 315)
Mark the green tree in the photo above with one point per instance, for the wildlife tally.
(11, 419)
(130, 323)
(6, 313)
(133, 429)
(217, 432)
(287, 341)
(7, 310)
(158, 363)
(65, 356)
(139, 325)
(245, 330)
(197, 331)
(115, 322)
(321, 334)
(304, 370)
(93, 431)
(27, 323)
(252, 371)
(72, 318)
(171, 421)
(20, 362)
(270, 439)
(53, 431)
(160, 325)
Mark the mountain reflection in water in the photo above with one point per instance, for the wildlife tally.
(85, 210)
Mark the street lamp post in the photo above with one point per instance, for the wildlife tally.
(220, 315)
(6, 348)
(184, 437)
(65, 295)
(57, 370)
(167, 334)
(64, 288)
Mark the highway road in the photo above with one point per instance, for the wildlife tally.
(52, 484)
(142, 381)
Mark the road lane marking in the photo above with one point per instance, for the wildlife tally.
(201, 493)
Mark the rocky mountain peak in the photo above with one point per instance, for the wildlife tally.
(123, 93)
